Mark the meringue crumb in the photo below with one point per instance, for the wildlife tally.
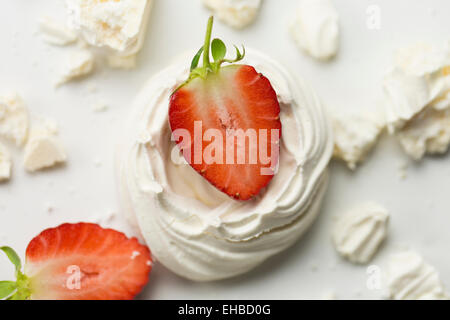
(92, 88)
(329, 295)
(122, 62)
(100, 106)
(14, 119)
(104, 218)
(237, 14)
(50, 208)
(97, 162)
(80, 63)
(5, 164)
(358, 293)
(43, 149)
(403, 170)
(56, 33)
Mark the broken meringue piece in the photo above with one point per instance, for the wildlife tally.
(316, 28)
(43, 150)
(358, 233)
(426, 133)
(236, 13)
(122, 62)
(417, 91)
(5, 164)
(117, 25)
(80, 63)
(409, 277)
(355, 135)
(13, 118)
(56, 33)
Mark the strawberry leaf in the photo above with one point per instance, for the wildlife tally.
(7, 288)
(196, 59)
(16, 296)
(239, 55)
(18, 290)
(218, 50)
(13, 257)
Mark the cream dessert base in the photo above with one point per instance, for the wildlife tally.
(192, 228)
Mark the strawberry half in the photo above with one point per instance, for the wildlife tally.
(79, 262)
(226, 121)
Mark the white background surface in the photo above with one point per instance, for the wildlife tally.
(84, 191)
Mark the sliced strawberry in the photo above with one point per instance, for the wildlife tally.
(84, 262)
(234, 97)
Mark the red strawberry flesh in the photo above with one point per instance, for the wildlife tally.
(238, 97)
(234, 97)
(111, 266)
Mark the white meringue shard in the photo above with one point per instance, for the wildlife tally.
(122, 62)
(5, 164)
(13, 118)
(426, 133)
(358, 233)
(409, 277)
(80, 63)
(56, 33)
(315, 28)
(43, 149)
(236, 13)
(418, 100)
(355, 135)
(118, 25)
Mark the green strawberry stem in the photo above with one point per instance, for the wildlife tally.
(218, 50)
(20, 289)
(207, 44)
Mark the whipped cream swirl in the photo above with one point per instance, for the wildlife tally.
(197, 231)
